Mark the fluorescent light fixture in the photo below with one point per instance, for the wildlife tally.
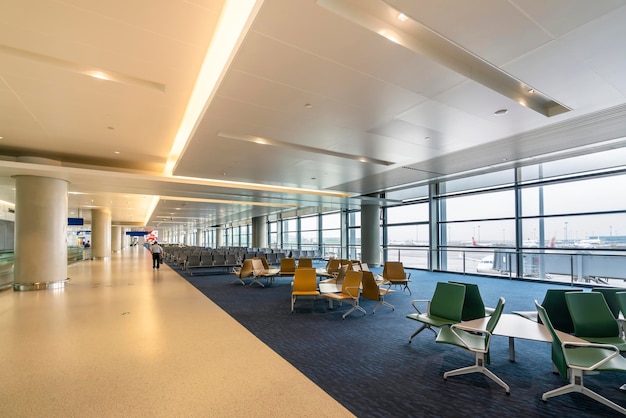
(254, 186)
(227, 202)
(379, 17)
(234, 22)
(93, 72)
(282, 144)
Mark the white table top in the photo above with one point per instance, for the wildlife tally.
(515, 326)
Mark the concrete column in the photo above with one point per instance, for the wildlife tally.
(100, 233)
(370, 234)
(219, 236)
(259, 232)
(40, 232)
(198, 237)
(116, 239)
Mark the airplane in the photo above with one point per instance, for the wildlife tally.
(588, 243)
(476, 244)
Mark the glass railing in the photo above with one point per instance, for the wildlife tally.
(7, 258)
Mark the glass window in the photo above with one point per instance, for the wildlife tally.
(480, 206)
(331, 220)
(407, 213)
(591, 195)
(309, 223)
(408, 235)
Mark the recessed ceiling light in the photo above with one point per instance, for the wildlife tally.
(116, 152)
(308, 106)
(531, 91)
(402, 17)
(427, 138)
(501, 112)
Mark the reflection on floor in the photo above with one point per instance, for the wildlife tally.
(125, 340)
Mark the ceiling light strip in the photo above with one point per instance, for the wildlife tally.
(304, 148)
(233, 25)
(228, 202)
(93, 72)
(381, 18)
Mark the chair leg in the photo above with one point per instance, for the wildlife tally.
(422, 328)
(382, 302)
(577, 385)
(355, 306)
(479, 367)
(293, 301)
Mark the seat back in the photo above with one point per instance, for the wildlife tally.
(287, 265)
(473, 305)
(621, 299)
(447, 301)
(352, 283)
(558, 357)
(264, 262)
(341, 274)
(305, 262)
(394, 271)
(556, 307)
(332, 265)
(257, 266)
(219, 259)
(610, 298)
(247, 269)
(591, 315)
(495, 316)
(304, 279)
(370, 287)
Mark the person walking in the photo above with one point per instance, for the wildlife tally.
(156, 251)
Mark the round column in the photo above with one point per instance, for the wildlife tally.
(40, 233)
(259, 232)
(100, 233)
(116, 239)
(370, 234)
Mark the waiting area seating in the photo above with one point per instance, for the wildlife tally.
(393, 272)
(304, 285)
(575, 359)
(593, 319)
(373, 291)
(350, 292)
(475, 340)
(555, 305)
(444, 309)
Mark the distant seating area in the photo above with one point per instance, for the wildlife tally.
(193, 259)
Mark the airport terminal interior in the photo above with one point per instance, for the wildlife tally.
(480, 142)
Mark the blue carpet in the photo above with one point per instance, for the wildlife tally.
(367, 364)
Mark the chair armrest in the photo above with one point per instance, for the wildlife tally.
(474, 330)
(416, 301)
(608, 347)
(350, 289)
(408, 276)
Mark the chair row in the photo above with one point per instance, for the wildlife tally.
(355, 284)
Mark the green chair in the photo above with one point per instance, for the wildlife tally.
(610, 296)
(445, 308)
(473, 305)
(554, 303)
(578, 358)
(475, 340)
(593, 320)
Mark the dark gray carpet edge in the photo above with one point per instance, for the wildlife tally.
(367, 364)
